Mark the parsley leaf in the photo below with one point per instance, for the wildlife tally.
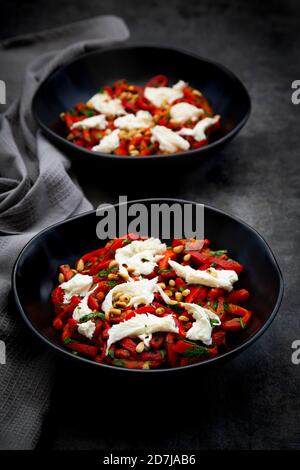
(197, 351)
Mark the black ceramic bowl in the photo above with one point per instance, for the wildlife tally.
(35, 275)
(79, 79)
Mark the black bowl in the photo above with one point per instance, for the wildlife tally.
(35, 275)
(79, 79)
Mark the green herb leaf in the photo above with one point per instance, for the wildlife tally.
(197, 351)
(243, 325)
(89, 316)
(215, 305)
(111, 353)
(218, 252)
(119, 362)
(67, 340)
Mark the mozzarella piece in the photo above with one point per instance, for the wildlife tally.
(104, 104)
(140, 120)
(87, 329)
(109, 143)
(159, 95)
(141, 255)
(79, 284)
(141, 324)
(201, 329)
(94, 122)
(211, 277)
(183, 112)
(198, 132)
(141, 292)
(168, 140)
(82, 309)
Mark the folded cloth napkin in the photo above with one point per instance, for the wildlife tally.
(35, 191)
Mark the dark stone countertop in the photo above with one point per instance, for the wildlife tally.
(253, 401)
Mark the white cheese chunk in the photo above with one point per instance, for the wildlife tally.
(94, 122)
(211, 277)
(141, 324)
(109, 143)
(87, 329)
(140, 120)
(169, 141)
(198, 132)
(140, 292)
(103, 103)
(79, 284)
(159, 95)
(183, 112)
(201, 329)
(82, 309)
(141, 255)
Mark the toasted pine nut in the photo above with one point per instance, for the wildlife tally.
(61, 278)
(112, 277)
(124, 298)
(197, 92)
(173, 302)
(160, 311)
(80, 265)
(131, 147)
(168, 292)
(183, 318)
(115, 311)
(74, 271)
(140, 347)
(171, 282)
(130, 270)
(146, 365)
(107, 315)
(162, 285)
(178, 296)
(187, 257)
(124, 276)
(113, 263)
(134, 152)
(185, 292)
(178, 249)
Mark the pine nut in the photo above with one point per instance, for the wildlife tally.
(187, 257)
(178, 249)
(80, 265)
(61, 278)
(162, 285)
(124, 298)
(173, 302)
(171, 282)
(74, 271)
(134, 153)
(112, 277)
(178, 296)
(113, 263)
(107, 315)
(168, 292)
(183, 318)
(130, 270)
(185, 292)
(146, 365)
(140, 347)
(160, 311)
(131, 147)
(115, 311)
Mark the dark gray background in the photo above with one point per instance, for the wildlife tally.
(252, 402)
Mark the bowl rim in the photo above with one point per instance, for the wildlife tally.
(65, 353)
(96, 155)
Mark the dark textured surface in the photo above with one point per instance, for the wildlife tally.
(252, 402)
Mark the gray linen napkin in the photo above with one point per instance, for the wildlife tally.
(35, 191)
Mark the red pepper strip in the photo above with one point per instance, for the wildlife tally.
(117, 243)
(122, 353)
(228, 264)
(144, 104)
(120, 151)
(236, 324)
(66, 271)
(130, 345)
(238, 296)
(93, 303)
(152, 355)
(219, 337)
(96, 339)
(180, 284)
(86, 349)
(144, 309)
(101, 287)
(196, 295)
(57, 323)
(213, 351)
(129, 314)
(93, 254)
(68, 330)
(172, 357)
(215, 293)
(101, 265)
(132, 364)
(182, 346)
(157, 81)
(157, 341)
(164, 262)
(57, 295)
(109, 90)
(236, 310)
